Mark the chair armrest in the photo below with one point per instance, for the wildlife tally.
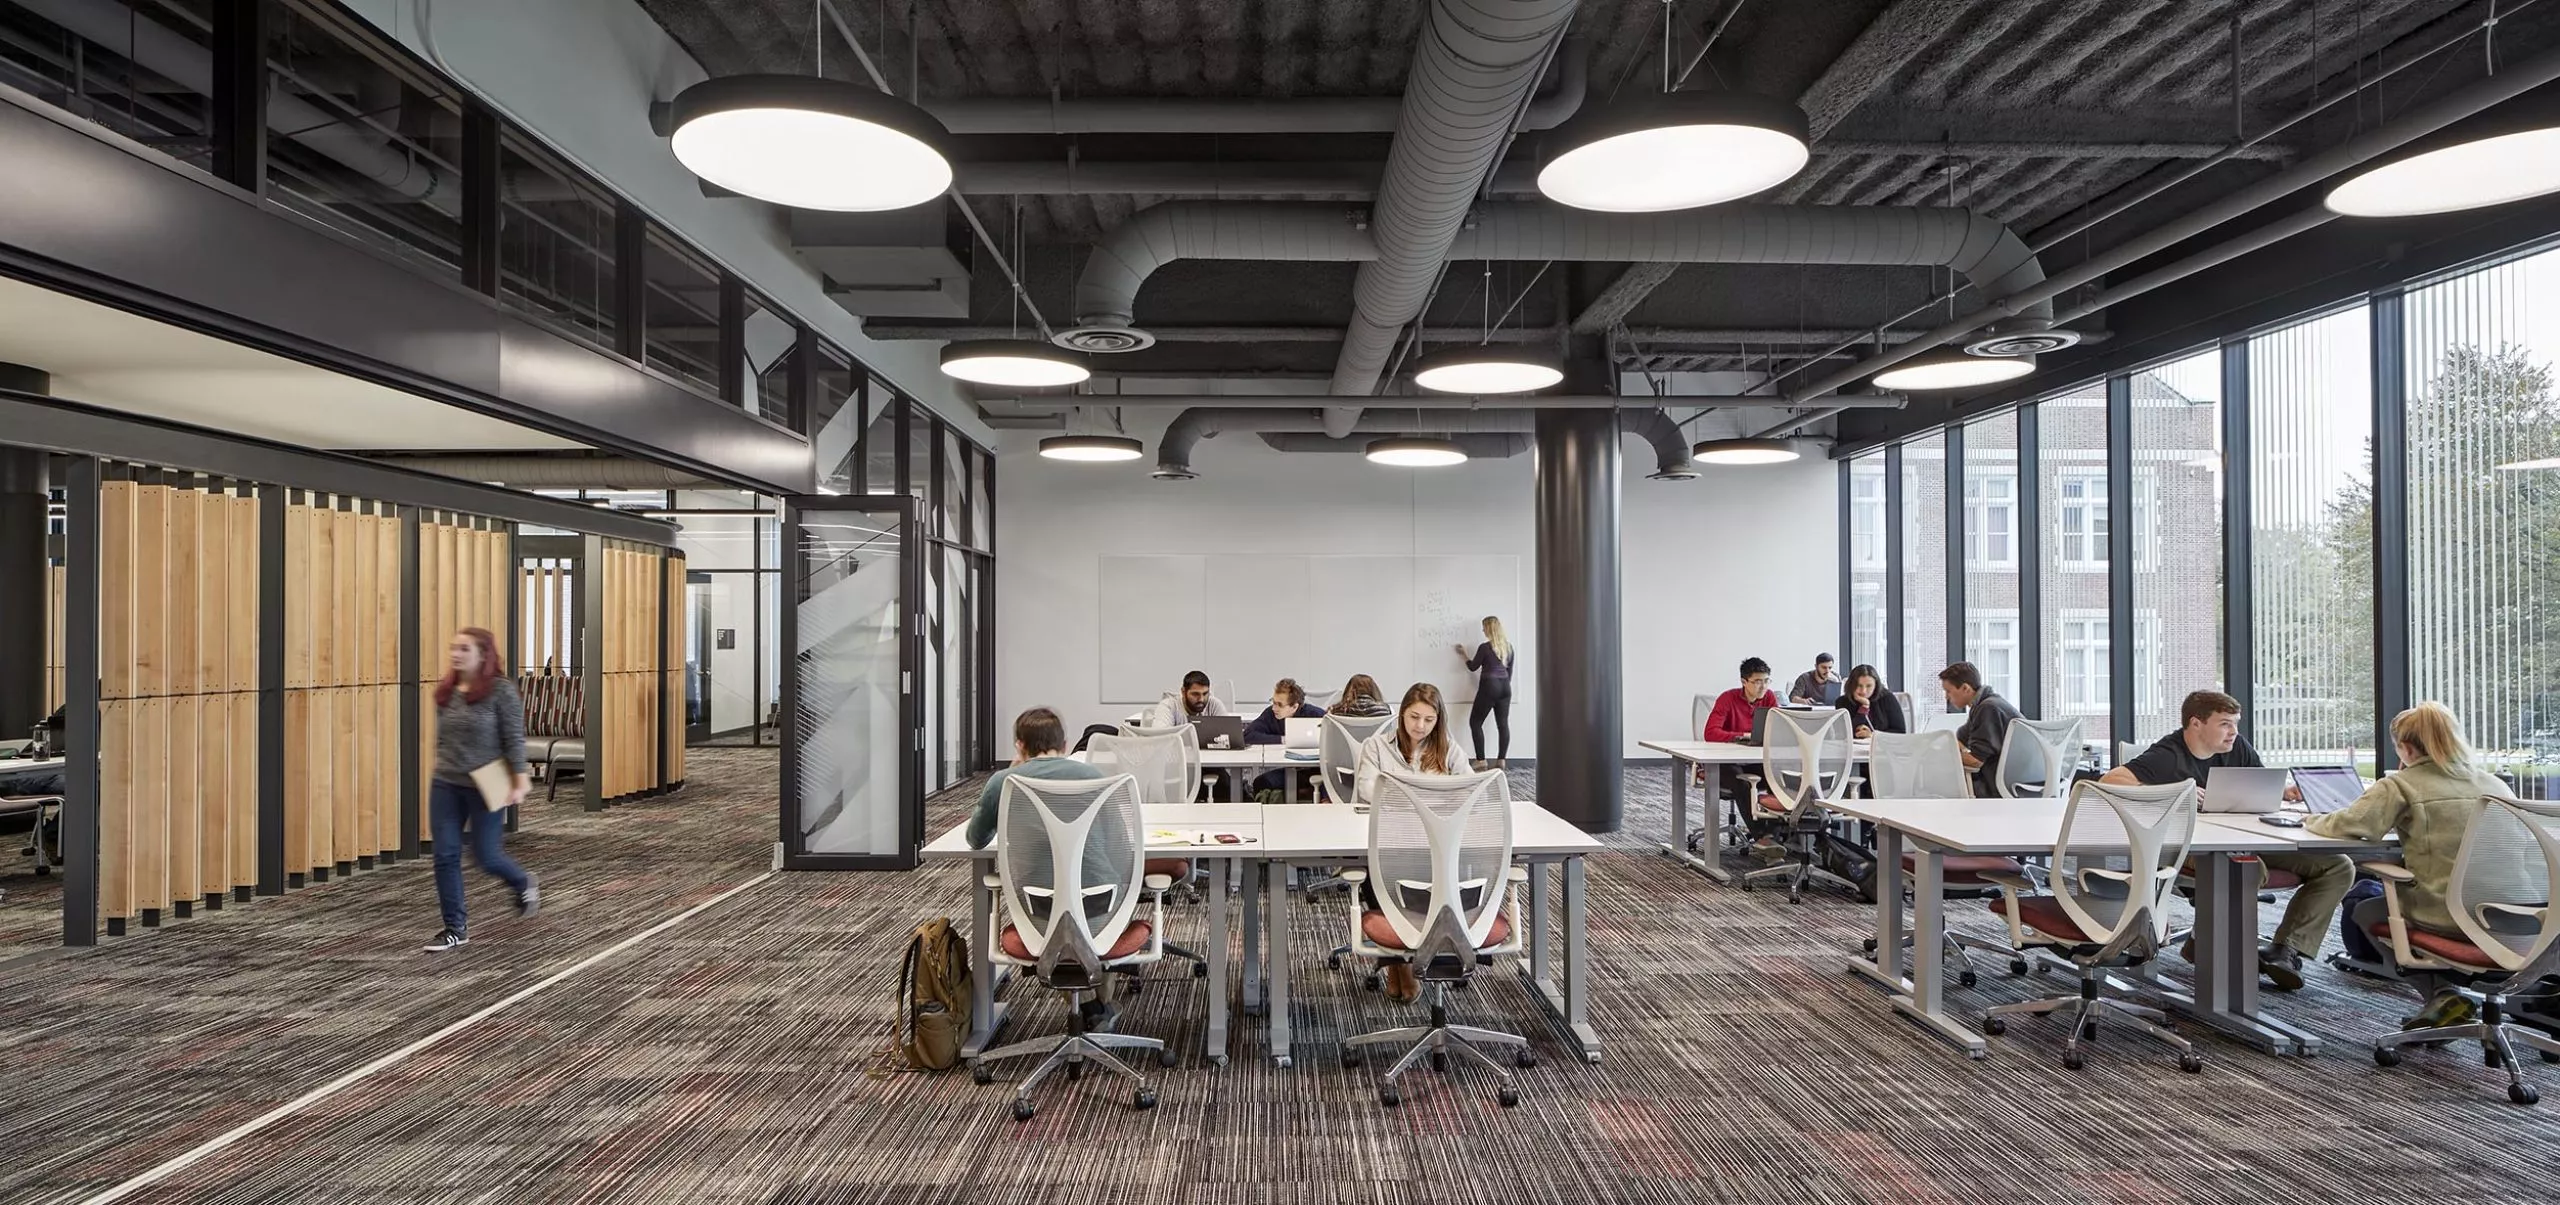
(2014, 884)
(1158, 882)
(992, 882)
(1519, 874)
(2388, 872)
(1353, 875)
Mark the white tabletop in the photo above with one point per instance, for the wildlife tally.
(2295, 837)
(1161, 821)
(2018, 826)
(1316, 830)
(1226, 759)
(1725, 752)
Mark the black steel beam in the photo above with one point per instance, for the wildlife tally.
(1848, 558)
(2030, 630)
(239, 100)
(732, 340)
(412, 767)
(630, 282)
(1897, 651)
(481, 220)
(2391, 672)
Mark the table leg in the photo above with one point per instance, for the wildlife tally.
(986, 1016)
(1276, 889)
(1538, 922)
(1221, 878)
(1926, 1002)
(1885, 969)
(1250, 896)
(1712, 845)
(2226, 981)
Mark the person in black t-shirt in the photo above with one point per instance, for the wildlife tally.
(2208, 735)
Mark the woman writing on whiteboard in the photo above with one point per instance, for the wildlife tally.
(1492, 663)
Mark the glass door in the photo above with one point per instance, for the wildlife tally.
(700, 641)
(852, 737)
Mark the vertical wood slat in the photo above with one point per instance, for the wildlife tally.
(116, 505)
(386, 698)
(243, 753)
(319, 750)
(296, 770)
(183, 601)
(213, 685)
(346, 767)
(151, 686)
(57, 583)
(364, 799)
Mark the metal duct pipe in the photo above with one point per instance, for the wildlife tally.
(1474, 66)
(1986, 252)
(1206, 115)
(1477, 447)
(1670, 443)
(558, 472)
(1247, 401)
(1174, 448)
(2513, 80)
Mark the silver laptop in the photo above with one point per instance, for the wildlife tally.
(2244, 790)
(2328, 788)
(1301, 732)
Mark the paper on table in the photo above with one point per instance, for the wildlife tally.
(1171, 836)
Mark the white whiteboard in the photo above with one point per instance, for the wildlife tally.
(1251, 620)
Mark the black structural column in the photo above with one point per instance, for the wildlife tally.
(22, 571)
(1580, 668)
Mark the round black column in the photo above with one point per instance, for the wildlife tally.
(1580, 668)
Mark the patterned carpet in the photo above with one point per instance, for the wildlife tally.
(737, 1057)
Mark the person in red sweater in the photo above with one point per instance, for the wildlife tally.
(1730, 720)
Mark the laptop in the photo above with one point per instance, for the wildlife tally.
(1760, 721)
(1220, 731)
(1302, 732)
(2243, 790)
(2327, 788)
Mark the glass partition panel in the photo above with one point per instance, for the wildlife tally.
(850, 794)
(84, 59)
(1868, 630)
(683, 314)
(771, 340)
(2177, 537)
(555, 243)
(835, 420)
(880, 445)
(2311, 540)
(361, 146)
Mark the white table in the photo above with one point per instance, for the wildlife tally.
(1686, 755)
(2222, 887)
(2225, 995)
(1538, 837)
(987, 1015)
(1239, 761)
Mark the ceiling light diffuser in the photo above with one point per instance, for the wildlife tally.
(1020, 363)
(1677, 150)
(1951, 369)
(1744, 451)
(1484, 369)
(1091, 447)
(2468, 175)
(810, 143)
(1416, 453)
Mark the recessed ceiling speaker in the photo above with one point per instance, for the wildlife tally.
(1104, 340)
(2007, 339)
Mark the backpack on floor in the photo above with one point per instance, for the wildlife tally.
(933, 997)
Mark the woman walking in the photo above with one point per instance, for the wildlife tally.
(1492, 663)
(479, 722)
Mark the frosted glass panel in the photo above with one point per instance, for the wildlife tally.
(844, 736)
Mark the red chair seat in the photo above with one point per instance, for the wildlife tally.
(2044, 914)
(1966, 869)
(1132, 939)
(2277, 880)
(1179, 868)
(1375, 927)
(2451, 949)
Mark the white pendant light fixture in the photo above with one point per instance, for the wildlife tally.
(1018, 363)
(1416, 452)
(810, 142)
(1948, 368)
(1091, 447)
(1484, 369)
(2467, 175)
(1744, 451)
(1675, 150)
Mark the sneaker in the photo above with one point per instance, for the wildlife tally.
(2446, 1008)
(529, 900)
(2282, 965)
(1769, 853)
(1402, 985)
(1099, 1015)
(450, 939)
(2187, 950)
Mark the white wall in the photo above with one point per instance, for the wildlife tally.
(1737, 563)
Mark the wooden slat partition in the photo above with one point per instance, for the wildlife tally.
(671, 669)
(463, 581)
(55, 583)
(635, 690)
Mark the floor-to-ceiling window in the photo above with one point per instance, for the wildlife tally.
(1867, 626)
(2311, 539)
(2071, 484)
(2483, 449)
(1992, 552)
(1924, 559)
(2177, 536)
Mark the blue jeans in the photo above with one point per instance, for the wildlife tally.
(454, 809)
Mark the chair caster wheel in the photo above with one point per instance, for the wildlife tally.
(1389, 1097)
(1439, 1061)
(1144, 1100)
(1023, 1109)
(1217, 1060)
(1509, 1097)
(1870, 944)
(1994, 1026)
(2385, 1056)
(978, 1072)
(2523, 1094)
(2017, 968)
(1282, 1062)
(1353, 1058)
(1135, 985)
(1592, 1057)
(1333, 962)
(2191, 1063)
(1199, 970)
(1524, 1057)
(2074, 1060)
(1166, 1057)
(1965, 979)
(1371, 981)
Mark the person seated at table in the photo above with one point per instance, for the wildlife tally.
(1817, 686)
(1195, 700)
(2208, 735)
(1039, 743)
(1729, 721)
(1872, 708)
(1417, 742)
(2429, 801)
(1288, 702)
(1986, 724)
(1361, 697)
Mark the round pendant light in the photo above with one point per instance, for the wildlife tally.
(1416, 453)
(1020, 363)
(1744, 451)
(1678, 150)
(810, 143)
(1951, 369)
(2468, 175)
(1484, 369)
(1091, 447)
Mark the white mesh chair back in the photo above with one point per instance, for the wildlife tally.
(1910, 710)
(1166, 763)
(1917, 765)
(1804, 755)
(1069, 853)
(2037, 759)
(2502, 877)
(1338, 741)
(1440, 857)
(2117, 860)
(1162, 714)
(2127, 751)
(1322, 698)
(1700, 707)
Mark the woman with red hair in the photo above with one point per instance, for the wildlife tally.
(479, 721)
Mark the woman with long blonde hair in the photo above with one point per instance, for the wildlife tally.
(1492, 663)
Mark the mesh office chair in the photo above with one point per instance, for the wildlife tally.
(1440, 854)
(1924, 765)
(1166, 765)
(2037, 758)
(2501, 898)
(1338, 741)
(1068, 859)
(1804, 760)
(2113, 870)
